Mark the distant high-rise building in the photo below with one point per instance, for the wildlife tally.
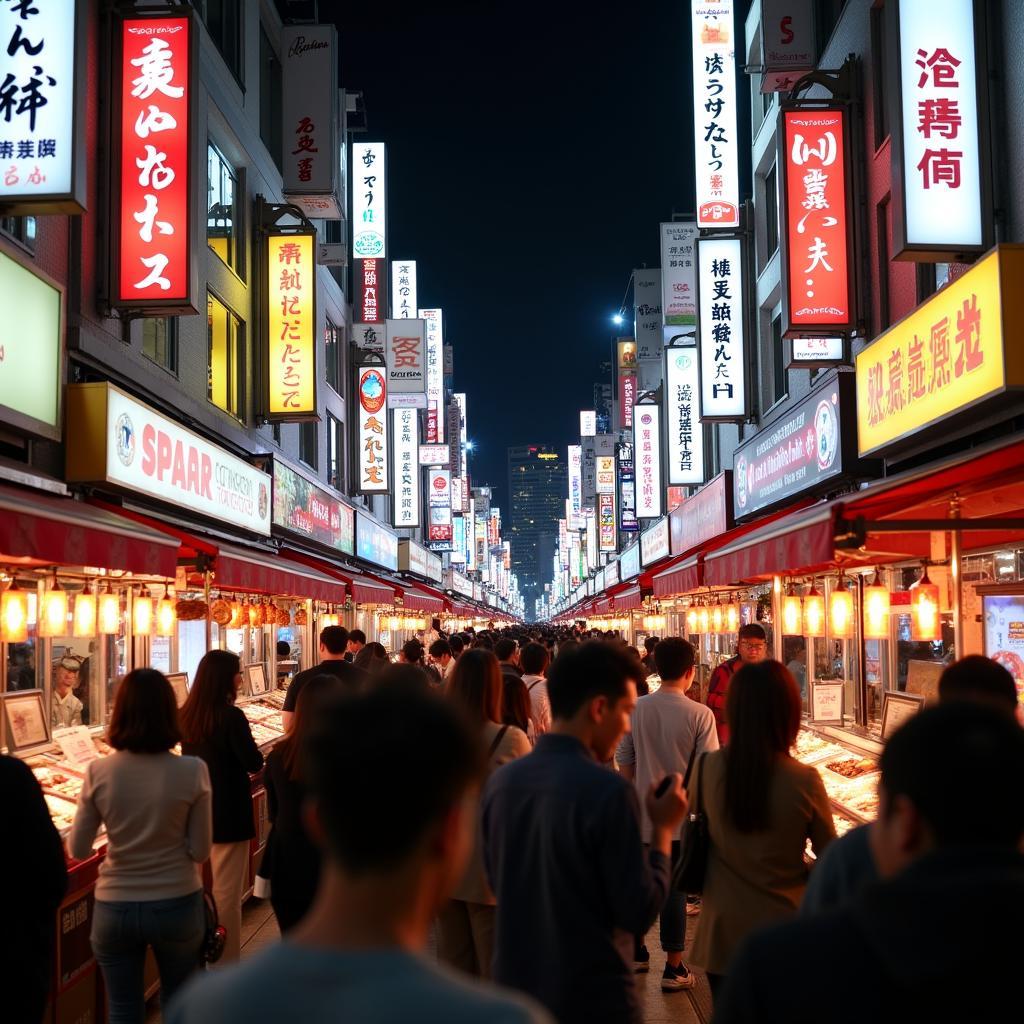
(537, 485)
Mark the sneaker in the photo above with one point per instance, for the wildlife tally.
(692, 906)
(675, 979)
(641, 961)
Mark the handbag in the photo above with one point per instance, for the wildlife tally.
(214, 934)
(695, 845)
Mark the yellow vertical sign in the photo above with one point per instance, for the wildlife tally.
(291, 326)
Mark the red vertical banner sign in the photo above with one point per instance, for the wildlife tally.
(152, 261)
(627, 399)
(372, 288)
(818, 292)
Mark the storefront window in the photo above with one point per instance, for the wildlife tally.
(308, 444)
(223, 217)
(160, 341)
(224, 346)
(332, 355)
(191, 646)
(336, 439)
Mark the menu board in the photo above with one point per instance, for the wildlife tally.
(827, 702)
(1003, 616)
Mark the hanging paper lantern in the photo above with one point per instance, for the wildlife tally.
(54, 620)
(84, 616)
(814, 613)
(876, 611)
(792, 615)
(109, 614)
(166, 615)
(925, 621)
(14, 614)
(142, 615)
(840, 613)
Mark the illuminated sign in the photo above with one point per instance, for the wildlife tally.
(153, 263)
(413, 557)
(368, 200)
(606, 522)
(403, 289)
(369, 337)
(817, 351)
(647, 452)
(307, 509)
(406, 357)
(817, 269)
(588, 423)
(435, 377)
(678, 274)
(627, 399)
(949, 355)
(372, 420)
(605, 474)
(433, 454)
(626, 353)
(41, 139)
(937, 150)
(704, 516)
(654, 543)
(714, 114)
(370, 284)
(786, 29)
(376, 544)
(405, 434)
(575, 506)
(683, 430)
(291, 327)
(439, 501)
(629, 563)
(722, 349)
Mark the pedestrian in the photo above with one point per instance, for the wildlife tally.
(333, 645)
(372, 659)
(947, 911)
(291, 860)
(213, 728)
(751, 647)
(534, 661)
(668, 733)
(563, 848)
(457, 643)
(762, 805)
(32, 860)
(848, 865)
(156, 808)
(356, 642)
(515, 704)
(441, 657)
(650, 643)
(507, 651)
(413, 676)
(395, 840)
(465, 933)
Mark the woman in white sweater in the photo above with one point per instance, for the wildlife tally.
(157, 812)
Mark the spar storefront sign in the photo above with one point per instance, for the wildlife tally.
(303, 507)
(113, 439)
(808, 446)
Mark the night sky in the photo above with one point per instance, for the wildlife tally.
(533, 148)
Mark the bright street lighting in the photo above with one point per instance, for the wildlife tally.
(470, 446)
(617, 319)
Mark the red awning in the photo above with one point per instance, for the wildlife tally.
(267, 573)
(628, 600)
(41, 529)
(603, 605)
(362, 589)
(682, 575)
(418, 598)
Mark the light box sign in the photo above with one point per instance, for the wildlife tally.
(303, 507)
(372, 291)
(439, 500)
(647, 452)
(787, 43)
(291, 327)
(433, 454)
(369, 337)
(30, 350)
(588, 423)
(403, 289)
(627, 399)
(654, 543)
(312, 154)
(629, 563)
(703, 516)
(42, 142)
(145, 452)
(679, 274)
(954, 353)
(940, 202)
(413, 557)
(605, 474)
(647, 326)
(152, 264)
(575, 505)
(684, 447)
(372, 393)
(435, 374)
(798, 452)
(606, 522)
(816, 263)
(375, 544)
(369, 192)
(405, 502)
(625, 349)
(811, 352)
(722, 342)
(405, 353)
(714, 114)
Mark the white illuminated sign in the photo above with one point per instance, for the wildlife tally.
(405, 433)
(722, 350)
(679, 274)
(605, 474)
(369, 201)
(654, 543)
(406, 357)
(575, 504)
(647, 453)
(588, 423)
(817, 350)
(433, 454)
(683, 430)
(435, 378)
(714, 114)
(403, 289)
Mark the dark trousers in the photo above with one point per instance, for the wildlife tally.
(672, 920)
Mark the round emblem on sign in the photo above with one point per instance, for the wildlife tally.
(371, 390)
(264, 501)
(124, 438)
(741, 481)
(646, 419)
(438, 483)
(826, 427)
(683, 361)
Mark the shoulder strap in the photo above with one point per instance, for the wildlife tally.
(700, 783)
(496, 742)
(534, 683)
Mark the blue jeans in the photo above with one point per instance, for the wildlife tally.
(121, 932)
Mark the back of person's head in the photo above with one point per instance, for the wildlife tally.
(650, 643)
(565, 646)
(334, 639)
(211, 694)
(456, 644)
(674, 658)
(435, 624)
(589, 670)
(411, 677)
(476, 686)
(515, 703)
(424, 756)
(290, 747)
(977, 678)
(762, 708)
(483, 643)
(145, 715)
(505, 648)
(440, 648)
(960, 766)
(412, 651)
(372, 658)
(533, 659)
(283, 648)
(357, 636)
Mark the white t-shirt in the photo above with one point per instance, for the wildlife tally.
(540, 704)
(668, 731)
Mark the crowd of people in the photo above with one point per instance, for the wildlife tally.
(525, 797)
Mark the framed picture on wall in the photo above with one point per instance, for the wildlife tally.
(256, 677)
(179, 683)
(26, 723)
(897, 708)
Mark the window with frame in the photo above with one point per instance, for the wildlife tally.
(780, 376)
(223, 20)
(160, 341)
(771, 211)
(308, 443)
(21, 229)
(224, 213)
(271, 91)
(332, 355)
(879, 76)
(336, 440)
(224, 347)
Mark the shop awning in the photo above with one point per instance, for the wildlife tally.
(247, 569)
(40, 529)
(603, 605)
(420, 598)
(682, 575)
(628, 600)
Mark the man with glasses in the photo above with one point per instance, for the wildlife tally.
(66, 709)
(752, 647)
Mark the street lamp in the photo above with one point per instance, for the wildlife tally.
(617, 320)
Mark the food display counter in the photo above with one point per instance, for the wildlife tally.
(850, 777)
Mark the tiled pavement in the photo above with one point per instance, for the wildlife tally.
(259, 929)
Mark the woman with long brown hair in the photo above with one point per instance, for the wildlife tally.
(762, 806)
(465, 932)
(215, 730)
(291, 862)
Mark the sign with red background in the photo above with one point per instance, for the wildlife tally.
(372, 288)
